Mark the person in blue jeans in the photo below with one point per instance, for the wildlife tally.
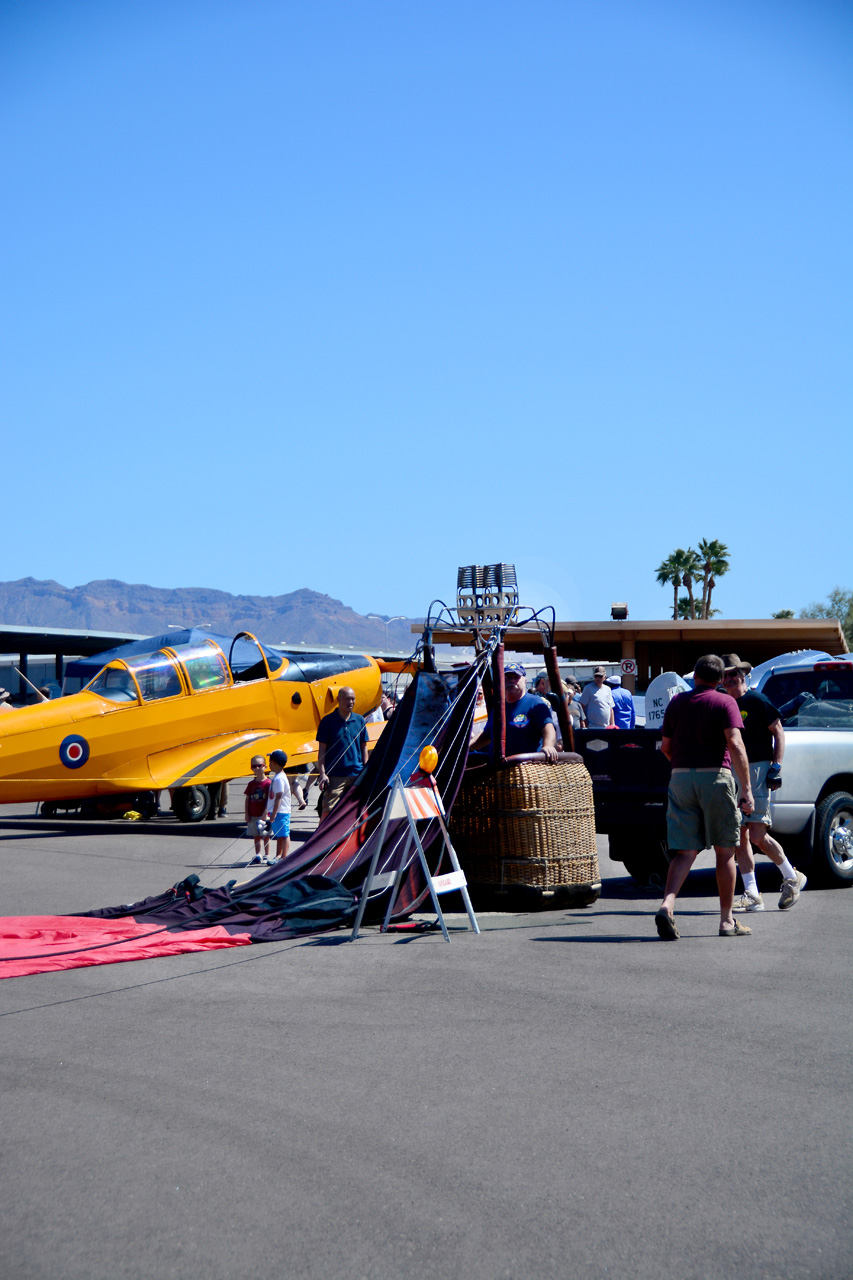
(342, 749)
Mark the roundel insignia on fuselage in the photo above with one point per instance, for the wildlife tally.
(73, 751)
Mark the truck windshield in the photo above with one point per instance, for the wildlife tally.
(821, 699)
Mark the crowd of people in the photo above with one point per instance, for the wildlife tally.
(725, 744)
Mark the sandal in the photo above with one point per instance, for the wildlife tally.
(738, 931)
(666, 926)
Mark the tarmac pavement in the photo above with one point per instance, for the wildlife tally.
(562, 1096)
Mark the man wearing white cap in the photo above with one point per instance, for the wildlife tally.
(623, 704)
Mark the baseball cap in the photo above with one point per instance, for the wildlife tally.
(278, 757)
(614, 681)
(515, 668)
(599, 671)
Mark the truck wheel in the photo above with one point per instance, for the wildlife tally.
(644, 855)
(48, 809)
(832, 859)
(191, 804)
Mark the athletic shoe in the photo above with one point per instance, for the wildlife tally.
(791, 891)
(257, 861)
(750, 902)
(737, 931)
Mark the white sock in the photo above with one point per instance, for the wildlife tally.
(749, 883)
(788, 872)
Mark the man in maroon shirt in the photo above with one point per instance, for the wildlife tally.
(702, 739)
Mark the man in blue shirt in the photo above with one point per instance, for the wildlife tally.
(342, 749)
(529, 723)
(623, 704)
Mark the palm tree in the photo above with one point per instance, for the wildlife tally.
(667, 571)
(685, 605)
(714, 564)
(672, 570)
(692, 568)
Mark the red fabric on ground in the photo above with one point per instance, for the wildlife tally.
(41, 937)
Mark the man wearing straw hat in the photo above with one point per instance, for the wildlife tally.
(764, 741)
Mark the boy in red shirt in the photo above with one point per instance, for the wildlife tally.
(256, 795)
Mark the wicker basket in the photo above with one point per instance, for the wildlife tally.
(530, 824)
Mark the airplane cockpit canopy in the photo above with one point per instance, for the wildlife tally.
(151, 676)
(244, 654)
(114, 683)
(154, 676)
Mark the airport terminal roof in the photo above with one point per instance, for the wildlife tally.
(18, 639)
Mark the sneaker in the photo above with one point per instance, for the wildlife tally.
(257, 861)
(750, 902)
(791, 891)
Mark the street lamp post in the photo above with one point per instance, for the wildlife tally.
(398, 617)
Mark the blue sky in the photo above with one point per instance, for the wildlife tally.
(343, 295)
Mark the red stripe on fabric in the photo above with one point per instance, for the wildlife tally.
(43, 938)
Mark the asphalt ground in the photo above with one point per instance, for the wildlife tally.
(564, 1095)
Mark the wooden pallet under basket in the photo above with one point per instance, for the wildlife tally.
(530, 824)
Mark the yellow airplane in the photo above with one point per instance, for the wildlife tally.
(180, 718)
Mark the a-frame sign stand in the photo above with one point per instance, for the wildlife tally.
(414, 803)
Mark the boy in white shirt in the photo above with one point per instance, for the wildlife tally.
(278, 805)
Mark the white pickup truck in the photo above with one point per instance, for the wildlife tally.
(812, 810)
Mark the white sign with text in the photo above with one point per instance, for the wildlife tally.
(658, 695)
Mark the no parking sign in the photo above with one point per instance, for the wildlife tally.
(629, 666)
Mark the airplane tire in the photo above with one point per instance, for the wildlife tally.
(191, 804)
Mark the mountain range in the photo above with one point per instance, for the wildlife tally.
(109, 605)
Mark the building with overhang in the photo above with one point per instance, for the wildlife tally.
(645, 649)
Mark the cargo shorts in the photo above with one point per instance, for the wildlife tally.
(702, 809)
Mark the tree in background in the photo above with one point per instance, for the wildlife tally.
(783, 613)
(838, 604)
(714, 564)
(689, 573)
(672, 569)
(684, 567)
(684, 609)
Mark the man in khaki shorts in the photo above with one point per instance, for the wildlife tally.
(702, 739)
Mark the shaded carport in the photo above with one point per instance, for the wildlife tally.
(59, 642)
(673, 646)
